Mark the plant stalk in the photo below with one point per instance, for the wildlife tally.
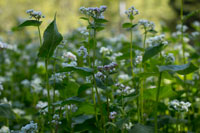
(157, 100)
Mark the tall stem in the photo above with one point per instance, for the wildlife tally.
(47, 86)
(40, 37)
(157, 100)
(94, 80)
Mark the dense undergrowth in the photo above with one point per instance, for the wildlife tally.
(140, 82)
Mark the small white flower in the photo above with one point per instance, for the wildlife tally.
(196, 23)
(70, 56)
(131, 12)
(138, 59)
(128, 126)
(169, 58)
(153, 41)
(179, 106)
(105, 51)
(148, 25)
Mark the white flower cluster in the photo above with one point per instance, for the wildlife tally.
(35, 14)
(112, 115)
(41, 106)
(115, 55)
(70, 109)
(94, 12)
(179, 106)
(108, 68)
(138, 59)
(105, 51)
(4, 129)
(58, 77)
(128, 126)
(153, 41)
(70, 58)
(196, 23)
(169, 58)
(124, 90)
(100, 75)
(55, 120)
(82, 51)
(123, 77)
(131, 12)
(179, 27)
(178, 32)
(148, 25)
(7, 46)
(195, 34)
(29, 128)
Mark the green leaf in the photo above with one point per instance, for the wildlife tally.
(152, 51)
(71, 100)
(138, 128)
(85, 108)
(84, 18)
(81, 70)
(165, 92)
(83, 88)
(52, 39)
(180, 69)
(101, 20)
(127, 25)
(6, 111)
(30, 23)
(100, 84)
(81, 119)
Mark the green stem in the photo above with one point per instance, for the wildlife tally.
(94, 80)
(177, 122)
(131, 61)
(47, 87)
(157, 100)
(40, 37)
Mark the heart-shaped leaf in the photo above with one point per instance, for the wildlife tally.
(52, 39)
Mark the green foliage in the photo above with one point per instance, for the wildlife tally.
(52, 38)
(30, 23)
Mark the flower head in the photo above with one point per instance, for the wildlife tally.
(153, 41)
(35, 14)
(131, 12)
(112, 115)
(179, 106)
(94, 12)
(169, 59)
(29, 128)
(148, 25)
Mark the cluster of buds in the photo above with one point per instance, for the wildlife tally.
(153, 41)
(124, 90)
(94, 12)
(55, 120)
(169, 59)
(35, 14)
(100, 75)
(138, 59)
(112, 115)
(58, 77)
(179, 106)
(108, 68)
(82, 51)
(131, 12)
(148, 25)
(179, 27)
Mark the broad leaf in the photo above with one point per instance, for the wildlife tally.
(81, 70)
(71, 100)
(52, 39)
(30, 23)
(83, 88)
(152, 51)
(6, 111)
(127, 25)
(180, 69)
(138, 128)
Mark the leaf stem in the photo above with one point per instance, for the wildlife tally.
(47, 87)
(40, 37)
(157, 100)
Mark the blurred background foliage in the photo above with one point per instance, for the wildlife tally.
(165, 12)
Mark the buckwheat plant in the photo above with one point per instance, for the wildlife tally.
(131, 13)
(30, 128)
(94, 17)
